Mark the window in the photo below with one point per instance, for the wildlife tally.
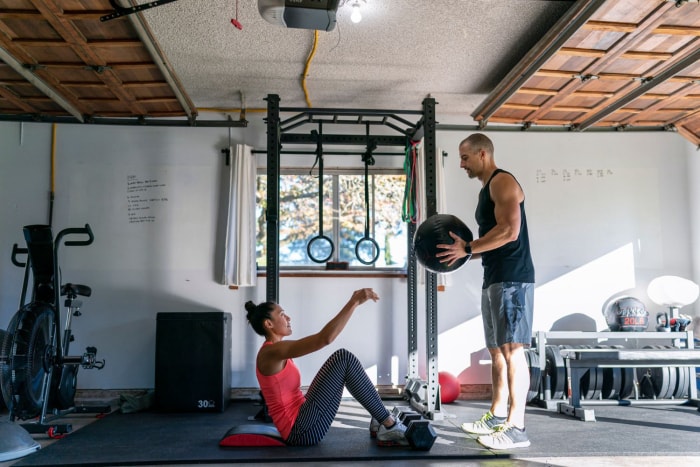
(344, 217)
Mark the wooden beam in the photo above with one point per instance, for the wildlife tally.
(145, 84)
(674, 110)
(592, 94)
(636, 55)
(49, 87)
(595, 53)
(557, 36)
(652, 20)
(17, 101)
(632, 55)
(84, 84)
(610, 26)
(36, 98)
(98, 99)
(40, 42)
(688, 56)
(496, 119)
(570, 108)
(15, 13)
(85, 14)
(626, 28)
(543, 92)
(556, 73)
(689, 135)
(114, 43)
(84, 49)
(651, 95)
(15, 82)
(629, 111)
(156, 100)
(551, 121)
(509, 105)
(619, 76)
(132, 65)
(673, 30)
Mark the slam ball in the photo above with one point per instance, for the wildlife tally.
(435, 231)
(449, 387)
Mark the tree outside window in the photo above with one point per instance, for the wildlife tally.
(344, 217)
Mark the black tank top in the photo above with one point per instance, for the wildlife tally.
(511, 262)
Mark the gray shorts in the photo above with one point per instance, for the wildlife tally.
(506, 309)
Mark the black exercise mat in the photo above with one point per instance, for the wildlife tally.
(161, 438)
(156, 438)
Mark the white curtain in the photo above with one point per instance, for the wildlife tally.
(239, 263)
(421, 201)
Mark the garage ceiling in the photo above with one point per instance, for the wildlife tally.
(584, 65)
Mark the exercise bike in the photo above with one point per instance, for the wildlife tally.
(38, 378)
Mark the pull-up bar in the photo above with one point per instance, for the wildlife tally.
(423, 395)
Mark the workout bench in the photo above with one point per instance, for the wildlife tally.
(579, 361)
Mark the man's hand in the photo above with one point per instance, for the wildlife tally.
(452, 251)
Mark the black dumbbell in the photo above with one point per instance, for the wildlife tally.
(419, 432)
(421, 435)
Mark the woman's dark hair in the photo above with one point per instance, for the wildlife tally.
(257, 314)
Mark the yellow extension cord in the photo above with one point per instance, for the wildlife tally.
(306, 69)
(303, 85)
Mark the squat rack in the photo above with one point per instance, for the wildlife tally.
(423, 395)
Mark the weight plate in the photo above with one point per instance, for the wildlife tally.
(612, 380)
(671, 373)
(654, 382)
(592, 381)
(676, 378)
(627, 379)
(535, 373)
(556, 371)
(681, 391)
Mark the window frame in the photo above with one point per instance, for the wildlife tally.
(352, 270)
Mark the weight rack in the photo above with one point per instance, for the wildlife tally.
(578, 361)
(424, 395)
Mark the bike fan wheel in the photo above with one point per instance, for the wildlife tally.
(26, 355)
(64, 384)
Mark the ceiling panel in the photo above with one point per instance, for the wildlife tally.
(59, 59)
(631, 63)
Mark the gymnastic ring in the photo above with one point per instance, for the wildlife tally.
(363, 244)
(318, 240)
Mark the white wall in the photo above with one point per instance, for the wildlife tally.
(592, 237)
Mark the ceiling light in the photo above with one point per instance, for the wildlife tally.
(356, 16)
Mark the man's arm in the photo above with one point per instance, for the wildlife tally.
(507, 196)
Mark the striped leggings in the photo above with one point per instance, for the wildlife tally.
(342, 369)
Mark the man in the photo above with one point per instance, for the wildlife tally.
(507, 292)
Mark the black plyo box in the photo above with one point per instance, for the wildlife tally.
(193, 362)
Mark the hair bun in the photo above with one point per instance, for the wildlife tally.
(250, 308)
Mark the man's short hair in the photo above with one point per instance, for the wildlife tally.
(479, 141)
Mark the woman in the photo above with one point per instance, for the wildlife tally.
(303, 420)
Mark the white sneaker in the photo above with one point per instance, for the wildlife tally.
(485, 425)
(374, 427)
(394, 436)
(506, 436)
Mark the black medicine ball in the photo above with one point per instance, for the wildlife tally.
(434, 231)
(627, 314)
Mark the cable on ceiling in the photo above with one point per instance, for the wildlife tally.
(306, 69)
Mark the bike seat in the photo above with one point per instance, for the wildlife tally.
(72, 290)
